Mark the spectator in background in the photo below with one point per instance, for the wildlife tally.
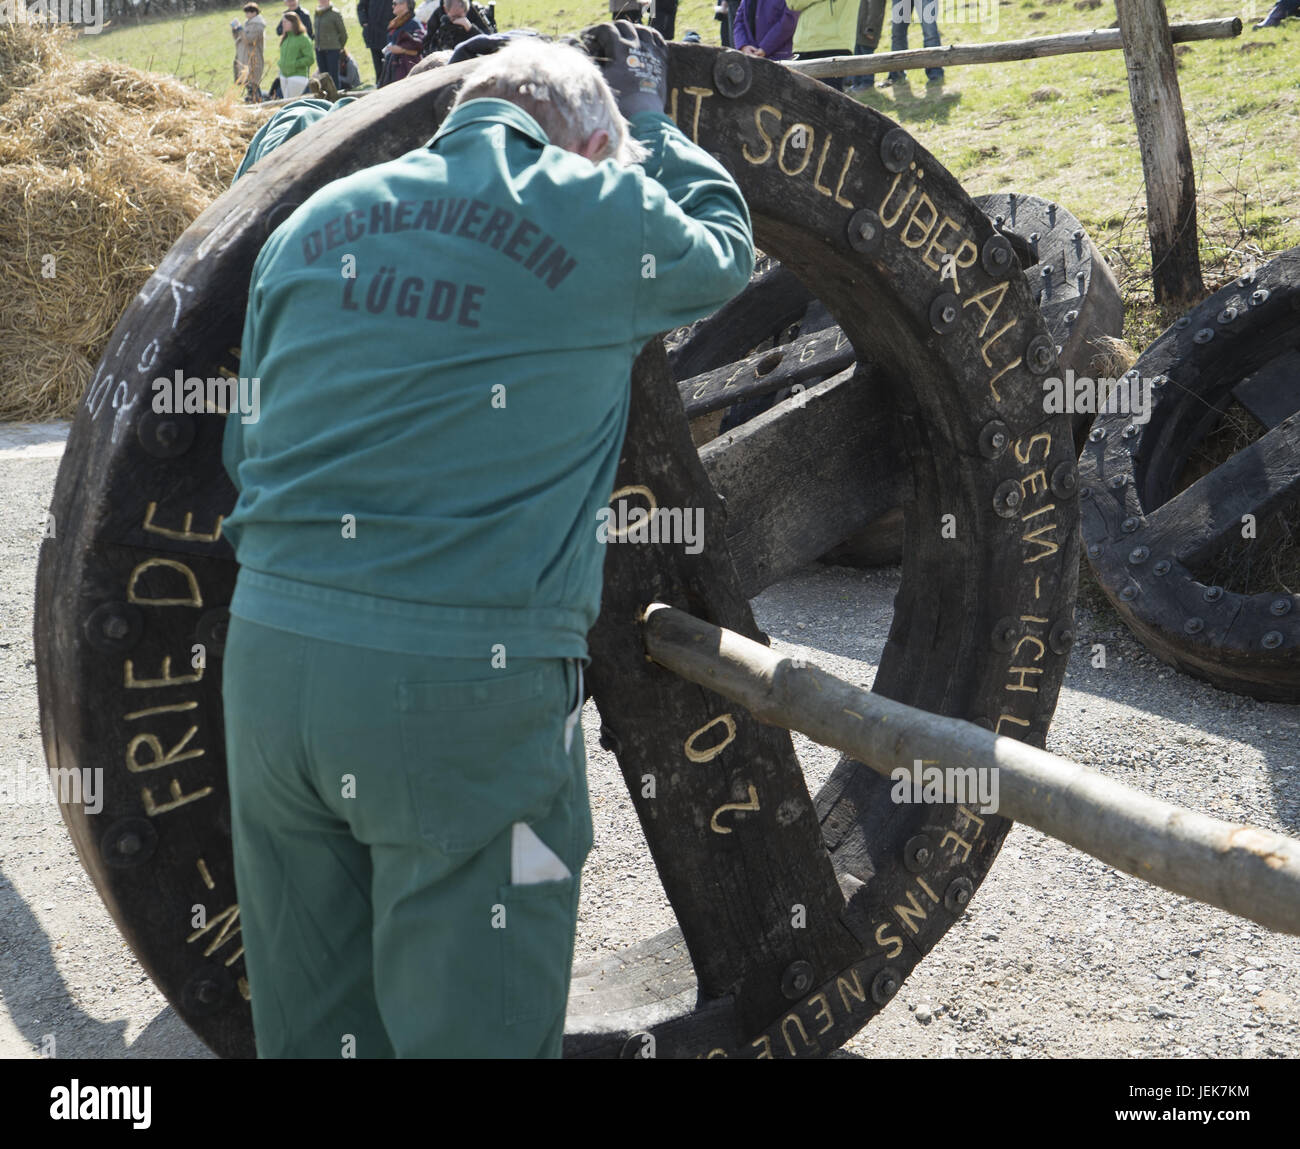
(1280, 11)
(627, 10)
(331, 36)
(297, 59)
(292, 6)
(349, 73)
(374, 16)
(901, 12)
(765, 28)
(826, 28)
(871, 18)
(722, 14)
(250, 51)
(459, 22)
(663, 17)
(405, 39)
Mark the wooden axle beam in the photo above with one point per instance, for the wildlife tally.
(1242, 869)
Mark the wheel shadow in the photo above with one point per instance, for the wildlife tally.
(42, 1007)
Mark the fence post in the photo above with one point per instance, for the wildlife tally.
(1166, 152)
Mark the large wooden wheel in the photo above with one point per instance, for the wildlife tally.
(1146, 539)
(799, 918)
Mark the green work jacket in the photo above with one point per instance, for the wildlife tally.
(297, 56)
(331, 31)
(443, 345)
(291, 120)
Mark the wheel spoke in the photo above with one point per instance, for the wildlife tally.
(805, 476)
(1255, 481)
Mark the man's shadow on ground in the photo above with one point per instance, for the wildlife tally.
(901, 102)
(42, 1008)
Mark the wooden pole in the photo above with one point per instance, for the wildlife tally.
(1166, 152)
(1241, 869)
(949, 55)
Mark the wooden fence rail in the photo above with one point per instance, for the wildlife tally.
(949, 55)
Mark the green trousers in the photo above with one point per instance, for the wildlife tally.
(408, 837)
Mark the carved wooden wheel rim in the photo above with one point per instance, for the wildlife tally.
(982, 624)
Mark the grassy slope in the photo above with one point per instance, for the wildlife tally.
(1060, 127)
(1063, 128)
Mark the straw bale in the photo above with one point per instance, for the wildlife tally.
(102, 167)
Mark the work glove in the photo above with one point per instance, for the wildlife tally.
(634, 60)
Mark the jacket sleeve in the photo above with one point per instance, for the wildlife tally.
(694, 223)
(781, 32)
(304, 57)
(739, 29)
(413, 41)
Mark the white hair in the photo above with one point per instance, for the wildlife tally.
(561, 88)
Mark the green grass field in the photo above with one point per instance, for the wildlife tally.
(1060, 127)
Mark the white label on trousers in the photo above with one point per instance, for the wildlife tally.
(572, 720)
(531, 859)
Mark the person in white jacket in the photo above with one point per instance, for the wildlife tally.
(250, 51)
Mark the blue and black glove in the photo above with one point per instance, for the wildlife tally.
(634, 60)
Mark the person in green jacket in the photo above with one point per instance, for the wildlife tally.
(331, 37)
(825, 28)
(443, 345)
(296, 57)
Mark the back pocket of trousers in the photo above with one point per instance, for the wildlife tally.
(480, 755)
(537, 949)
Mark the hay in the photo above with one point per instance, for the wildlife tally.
(102, 167)
(1270, 562)
(1111, 357)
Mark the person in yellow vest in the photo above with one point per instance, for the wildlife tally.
(825, 28)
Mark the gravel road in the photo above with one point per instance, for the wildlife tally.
(1058, 955)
